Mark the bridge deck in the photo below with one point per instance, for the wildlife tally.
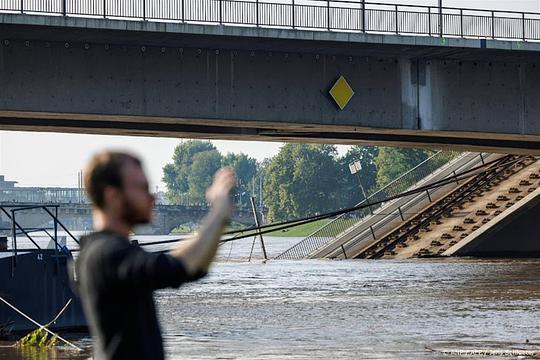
(239, 37)
(319, 15)
(462, 229)
(247, 82)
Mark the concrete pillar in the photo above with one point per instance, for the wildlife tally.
(408, 69)
(428, 92)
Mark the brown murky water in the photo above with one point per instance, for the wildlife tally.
(345, 309)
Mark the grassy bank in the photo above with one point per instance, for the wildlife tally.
(297, 231)
(301, 230)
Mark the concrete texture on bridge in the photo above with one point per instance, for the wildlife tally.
(184, 80)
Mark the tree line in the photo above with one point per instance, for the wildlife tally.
(301, 180)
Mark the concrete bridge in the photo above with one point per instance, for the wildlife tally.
(79, 217)
(263, 71)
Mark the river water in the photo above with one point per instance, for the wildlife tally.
(322, 309)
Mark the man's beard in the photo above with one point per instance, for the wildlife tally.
(131, 215)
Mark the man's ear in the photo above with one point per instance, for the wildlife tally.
(110, 196)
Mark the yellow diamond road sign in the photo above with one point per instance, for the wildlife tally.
(341, 92)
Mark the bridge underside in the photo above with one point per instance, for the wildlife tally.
(255, 131)
(179, 80)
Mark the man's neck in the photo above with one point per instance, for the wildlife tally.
(105, 222)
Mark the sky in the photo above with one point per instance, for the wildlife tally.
(54, 159)
(51, 159)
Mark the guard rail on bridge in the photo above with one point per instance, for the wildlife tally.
(342, 15)
(346, 222)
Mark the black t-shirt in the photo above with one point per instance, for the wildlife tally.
(115, 280)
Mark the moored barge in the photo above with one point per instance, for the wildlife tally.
(36, 279)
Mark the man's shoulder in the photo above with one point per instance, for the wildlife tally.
(102, 244)
(102, 238)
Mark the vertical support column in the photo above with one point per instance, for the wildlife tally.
(56, 231)
(64, 7)
(429, 21)
(372, 233)
(441, 25)
(22, 6)
(81, 190)
(221, 11)
(344, 253)
(144, 10)
(13, 239)
(261, 193)
(328, 14)
(401, 214)
(257, 12)
(293, 15)
(56, 245)
(522, 71)
(493, 24)
(461, 21)
(79, 187)
(409, 82)
(104, 8)
(183, 10)
(397, 19)
(363, 15)
(523, 24)
(455, 177)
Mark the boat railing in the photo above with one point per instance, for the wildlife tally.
(16, 229)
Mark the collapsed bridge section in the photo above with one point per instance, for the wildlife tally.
(467, 206)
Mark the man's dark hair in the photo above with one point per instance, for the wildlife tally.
(105, 169)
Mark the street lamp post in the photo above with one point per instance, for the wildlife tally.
(355, 167)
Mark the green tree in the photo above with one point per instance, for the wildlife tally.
(193, 166)
(176, 174)
(246, 169)
(278, 177)
(202, 170)
(301, 180)
(393, 162)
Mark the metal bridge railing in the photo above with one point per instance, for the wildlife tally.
(345, 222)
(405, 210)
(345, 15)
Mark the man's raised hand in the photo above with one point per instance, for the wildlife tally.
(224, 183)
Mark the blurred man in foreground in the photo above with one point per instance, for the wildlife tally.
(116, 278)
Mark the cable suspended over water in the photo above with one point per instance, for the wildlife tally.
(265, 229)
